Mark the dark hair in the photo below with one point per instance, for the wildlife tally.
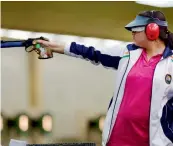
(165, 35)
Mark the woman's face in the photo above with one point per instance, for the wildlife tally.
(140, 38)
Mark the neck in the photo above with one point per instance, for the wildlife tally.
(155, 48)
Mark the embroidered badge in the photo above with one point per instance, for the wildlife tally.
(168, 78)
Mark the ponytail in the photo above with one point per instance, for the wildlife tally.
(166, 36)
(170, 40)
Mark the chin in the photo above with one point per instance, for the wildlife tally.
(137, 44)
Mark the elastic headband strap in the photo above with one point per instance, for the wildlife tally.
(159, 22)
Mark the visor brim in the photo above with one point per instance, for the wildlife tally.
(138, 22)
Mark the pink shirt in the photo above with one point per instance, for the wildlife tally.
(132, 124)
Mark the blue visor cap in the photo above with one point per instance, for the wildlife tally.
(143, 21)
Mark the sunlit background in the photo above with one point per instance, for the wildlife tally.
(62, 99)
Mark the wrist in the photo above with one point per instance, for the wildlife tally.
(58, 48)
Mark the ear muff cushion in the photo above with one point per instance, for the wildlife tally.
(152, 31)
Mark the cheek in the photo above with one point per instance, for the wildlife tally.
(137, 37)
(140, 37)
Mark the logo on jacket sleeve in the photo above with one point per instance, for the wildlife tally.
(126, 54)
(168, 78)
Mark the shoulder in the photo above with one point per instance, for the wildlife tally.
(132, 47)
(128, 48)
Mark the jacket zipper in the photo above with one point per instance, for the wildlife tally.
(117, 97)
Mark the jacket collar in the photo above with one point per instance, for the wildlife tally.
(167, 52)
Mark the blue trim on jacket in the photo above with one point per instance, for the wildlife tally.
(167, 119)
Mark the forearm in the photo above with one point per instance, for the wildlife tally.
(59, 48)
